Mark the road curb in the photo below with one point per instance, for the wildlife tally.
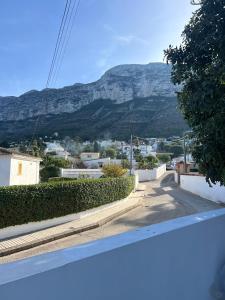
(29, 245)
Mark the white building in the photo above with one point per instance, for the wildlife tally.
(18, 168)
(57, 150)
(145, 150)
(89, 155)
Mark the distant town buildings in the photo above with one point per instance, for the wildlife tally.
(57, 150)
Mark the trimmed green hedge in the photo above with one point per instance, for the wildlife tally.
(59, 179)
(23, 204)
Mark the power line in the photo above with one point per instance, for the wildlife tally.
(66, 39)
(59, 39)
(55, 55)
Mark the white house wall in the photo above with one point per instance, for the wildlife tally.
(198, 185)
(30, 172)
(4, 170)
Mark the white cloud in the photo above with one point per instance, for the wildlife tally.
(117, 41)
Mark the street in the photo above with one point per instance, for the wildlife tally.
(162, 200)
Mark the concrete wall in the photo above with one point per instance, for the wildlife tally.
(174, 260)
(4, 170)
(30, 172)
(198, 185)
(148, 175)
(176, 177)
(81, 173)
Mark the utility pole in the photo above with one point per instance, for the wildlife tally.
(185, 155)
(131, 154)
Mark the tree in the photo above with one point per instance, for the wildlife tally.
(51, 167)
(110, 152)
(96, 147)
(198, 66)
(4, 144)
(163, 157)
(176, 150)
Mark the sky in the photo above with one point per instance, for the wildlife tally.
(106, 33)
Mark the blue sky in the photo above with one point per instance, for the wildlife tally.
(106, 33)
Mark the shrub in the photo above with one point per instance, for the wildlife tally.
(57, 179)
(23, 204)
(113, 170)
(48, 172)
(150, 162)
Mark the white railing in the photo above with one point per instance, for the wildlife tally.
(81, 173)
(179, 259)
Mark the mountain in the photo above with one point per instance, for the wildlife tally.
(140, 98)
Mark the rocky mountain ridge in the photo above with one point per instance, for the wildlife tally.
(125, 94)
(119, 84)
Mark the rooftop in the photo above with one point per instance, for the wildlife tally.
(9, 152)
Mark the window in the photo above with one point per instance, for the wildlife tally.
(20, 169)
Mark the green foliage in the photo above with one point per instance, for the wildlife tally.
(113, 170)
(96, 147)
(121, 156)
(54, 161)
(110, 152)
(150, 162)
(176, 149)
(163, 157)
(88, 148)
(199, 66)
(57, 179)
(48, 172)
(51, 167)
(125, 163)
(23, 204)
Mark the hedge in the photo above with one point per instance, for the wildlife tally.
(30, 203)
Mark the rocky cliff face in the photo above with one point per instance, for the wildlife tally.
(141, 95)
(120, 84)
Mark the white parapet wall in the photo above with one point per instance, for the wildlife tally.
(81, 173)
(181, 259)
(198, 185)
(148, 175)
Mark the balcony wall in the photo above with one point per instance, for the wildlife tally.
(174, 260)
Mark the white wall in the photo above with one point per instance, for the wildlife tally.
(30, 172)
(81, 173)
(148, 175)
(175, 260)
(4, 170)
(198, 185)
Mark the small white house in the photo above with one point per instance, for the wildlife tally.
(57, 149)
(89, 155)
(18, 168)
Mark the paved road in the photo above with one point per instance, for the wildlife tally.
(162, 200)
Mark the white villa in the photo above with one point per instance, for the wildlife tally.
(89, 155)
(18, 168)
(57, 149)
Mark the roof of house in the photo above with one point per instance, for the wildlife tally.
(4, 151)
